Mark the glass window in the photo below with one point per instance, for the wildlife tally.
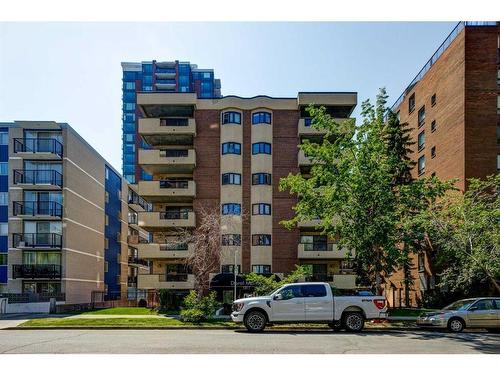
(4, 138)
(129, 137)
(231, 148)
(129, 96)
(147, 68)
(4, 229)
(421, 116)
(484, 304)
(261, 209)
(433, 100)
(130, 106)
(231, 179)
(4, 198)
(231, 209)
(129, 85)
(231, 239)
(433, 152)
(231, 118)
(261, 118)
(261, 179)
(129, 127)
(4, 168)
(433, 125)
(498, 162)
(421, 165)
(261, 268)
(3, 259)
(292, 291)
(228, 268)
(498, 134)
(411, 103)
(314, 290)
(261, 239)
(421, 140)
(261, 148)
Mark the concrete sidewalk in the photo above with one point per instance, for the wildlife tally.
(13, 320)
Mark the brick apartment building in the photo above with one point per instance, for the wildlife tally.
(453, 108)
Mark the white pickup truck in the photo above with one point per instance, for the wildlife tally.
(308, 303)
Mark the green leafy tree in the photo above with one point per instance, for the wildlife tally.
(263, 285)
(465, 229)
(360, 186)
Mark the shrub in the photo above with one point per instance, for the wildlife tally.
(200, 308)
(192, 315)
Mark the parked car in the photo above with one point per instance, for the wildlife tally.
(465, 313)
(308, 303)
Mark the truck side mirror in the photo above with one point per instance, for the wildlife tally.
(278, 297)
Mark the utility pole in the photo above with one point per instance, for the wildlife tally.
(235, 270)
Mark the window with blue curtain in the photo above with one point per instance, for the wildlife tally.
(261, 118)
(261, 209)
(231, 209)
(261, 179)
(231, 118)
(261, 148)
(231, 148)
(231, 179)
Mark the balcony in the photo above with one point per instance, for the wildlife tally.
(136, 202)
(38, 147)
(136, 261)
(37, 240)
(303, 160)
(42, 178)
(132, 281)
(167, 161)
(174, 281)
(313, 223)
(305, 128)
(167, 131)
(158, 221)
(164, 251)
(167, 190)
(36, 271)
(339, 281)
(37, 208)
(320, 251)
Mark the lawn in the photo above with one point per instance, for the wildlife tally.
(408, 312)
(121, 322)
(122, 311)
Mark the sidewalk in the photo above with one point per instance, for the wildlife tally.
(13, 320)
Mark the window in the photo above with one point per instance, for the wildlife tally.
(498, 134)
(4, 229)
(433, 152)
(106, 196)
(261, 209)
(261, 179)
(261, 118)
(498, 163)
(4, 169)
(421, 141)
(261, 268)
(231, 118)
(231, 239)
(4, 138)
(433, 125)
(106, 243)
(292, 291)
(307, 122)
(105, 266)
(314, 290)
(433, 100)
(485, 304)
(421, 165)
(261, 240)
(106, 219)
(3, 259)
(231, 209)
(228, 268)
(231, 179)
(231, 148)
(411, 103)
(261, 148)
(498, 104)
(4, 198)
(129, 85)
(421, 116)
(130, 106)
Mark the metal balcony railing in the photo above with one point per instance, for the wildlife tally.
(136, 260)
(36, 176)
(174, 153)
(318, 246)
(174, 215)
(36, 271)
(32, 297)
(34, 145)
(134, 198)
(34, 208)
(178, 277)
(174, 122)
(49, 240)
(174, 184)
(173, 247)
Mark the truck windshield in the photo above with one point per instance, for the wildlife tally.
(460, 305)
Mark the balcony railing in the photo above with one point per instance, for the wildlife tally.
(174, 215)
(173, 247)
(174, 277)
(132, 281)
(318, 246)
(49, 240)
(174, 122)
(35, 208)
(32, 297)
(35, 176)
(36, 271)
(49, 145)
(136, 260)
(134, 198)
(174, 184)
(174, 153)
(165, 81)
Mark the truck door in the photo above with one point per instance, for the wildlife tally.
(291, 305)
(318, 303)
(482, 314)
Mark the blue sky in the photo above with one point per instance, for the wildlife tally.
(70, 72)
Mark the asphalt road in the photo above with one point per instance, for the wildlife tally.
(229, 341)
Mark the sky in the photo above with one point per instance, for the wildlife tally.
(71, 72)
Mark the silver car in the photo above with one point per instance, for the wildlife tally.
(470, 313)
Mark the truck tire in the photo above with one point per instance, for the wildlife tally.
(353, 321)
(255, 321)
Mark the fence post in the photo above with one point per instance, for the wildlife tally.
(3, 305)
(52, 306)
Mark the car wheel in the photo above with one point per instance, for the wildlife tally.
(255, 321)
(335, 326)
(455, 325)
(353, 321)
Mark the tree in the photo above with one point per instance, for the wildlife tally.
(465, 228)
(263, 285)
(360, 187)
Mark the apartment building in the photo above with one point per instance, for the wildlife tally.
(230, 153)
(63, 223)
(453, 108)
(156, 76)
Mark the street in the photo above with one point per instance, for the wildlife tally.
(241, 342)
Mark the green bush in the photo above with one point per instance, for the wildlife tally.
(192, 315)
(200, 308)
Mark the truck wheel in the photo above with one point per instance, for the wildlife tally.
(255, 321)
(353, 321)
(455, 325)
(335, 326)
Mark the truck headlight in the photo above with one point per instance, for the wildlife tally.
(238, 306)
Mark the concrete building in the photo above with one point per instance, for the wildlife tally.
(156, 76)
(230, 153)
(63, 217)
(453, 108)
